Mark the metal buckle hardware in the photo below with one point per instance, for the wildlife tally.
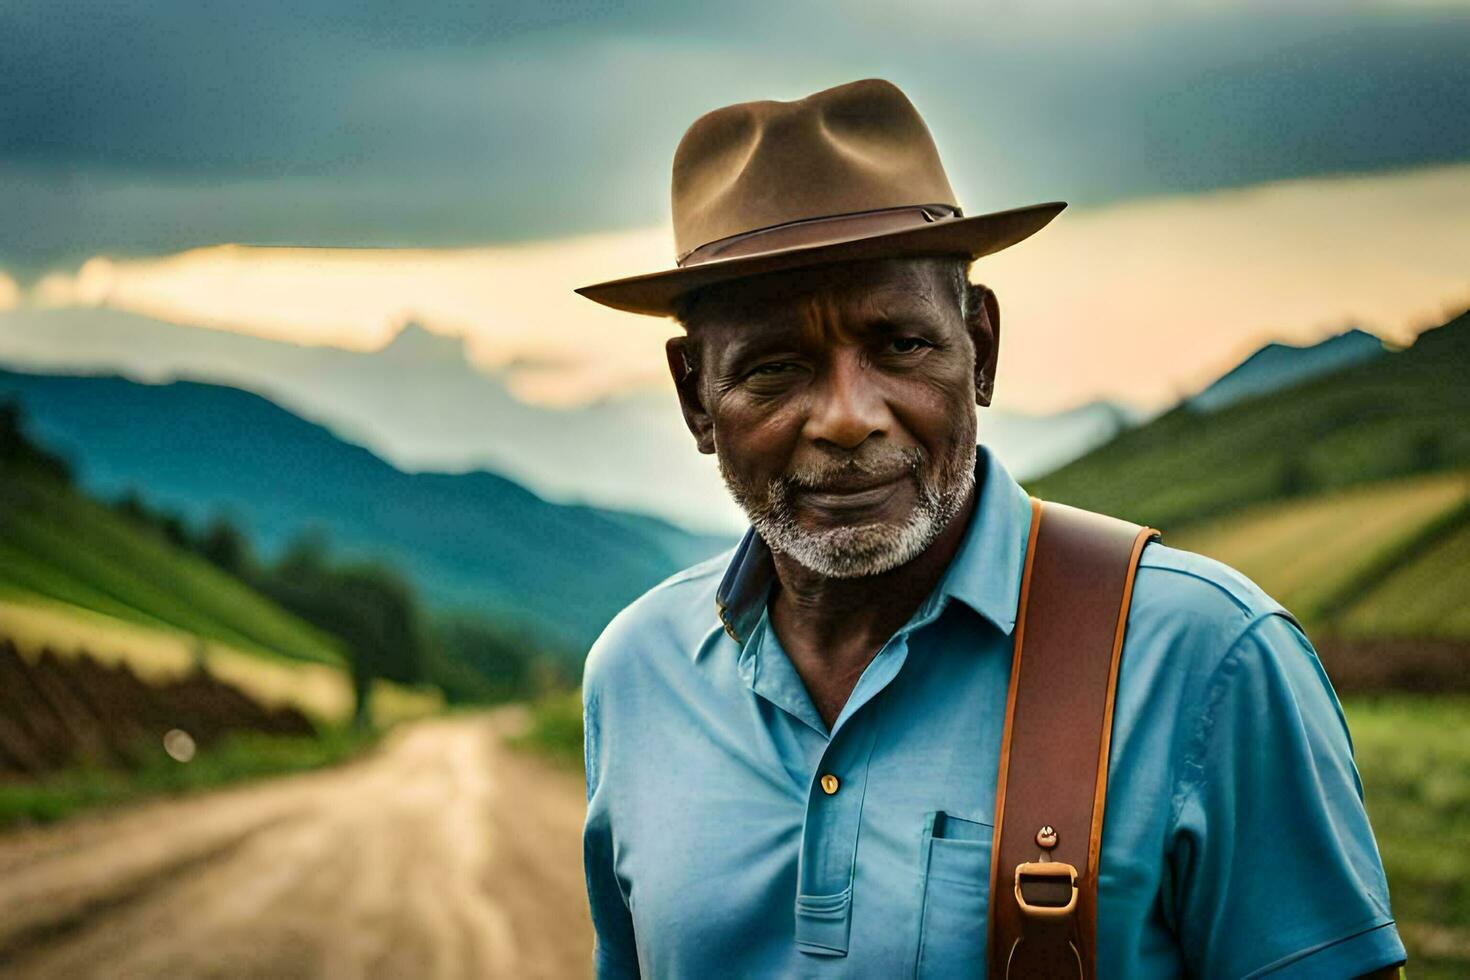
(1048, 882)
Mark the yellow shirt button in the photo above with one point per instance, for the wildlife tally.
(829, 784)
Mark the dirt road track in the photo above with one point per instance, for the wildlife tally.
(443, 854)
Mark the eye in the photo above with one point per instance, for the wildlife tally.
(908, 345)
(770, 368)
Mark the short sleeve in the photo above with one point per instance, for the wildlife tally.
(1274, 866)
(615, 952)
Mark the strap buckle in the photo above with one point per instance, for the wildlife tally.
(1046, 889)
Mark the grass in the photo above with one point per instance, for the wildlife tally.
(1413, 754)
(1427, 597)
(237, 757)
(556, 728)
(1395, 415)
(56, 543)
(1305, 552)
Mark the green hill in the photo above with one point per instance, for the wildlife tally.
(473, 542)
(1426, 597)
(1395, 415)
(59, 545)
(1372, 560)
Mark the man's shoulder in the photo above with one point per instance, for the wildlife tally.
(669, 617)
(1197, 606)
(1198, 584)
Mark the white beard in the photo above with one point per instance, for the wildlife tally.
(859, 549)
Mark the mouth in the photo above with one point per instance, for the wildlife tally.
(851, 495)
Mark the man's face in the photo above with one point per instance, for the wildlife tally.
(840, 404)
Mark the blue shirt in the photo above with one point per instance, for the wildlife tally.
(1235, 842)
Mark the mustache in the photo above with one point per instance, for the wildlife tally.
(878, 465)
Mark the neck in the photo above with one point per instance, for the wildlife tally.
(840, 619)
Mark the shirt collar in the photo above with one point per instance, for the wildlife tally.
(985, 573)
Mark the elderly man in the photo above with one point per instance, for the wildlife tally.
(792, 749)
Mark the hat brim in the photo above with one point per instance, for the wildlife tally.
(657, 293)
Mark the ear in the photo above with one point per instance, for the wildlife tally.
(984, 327)
(686, 382)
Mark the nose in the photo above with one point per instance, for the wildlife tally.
(847, 405)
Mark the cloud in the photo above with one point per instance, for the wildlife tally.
(1138, 301)
(513, 305)
(147, 129)
(9, 293)
(1149, 300)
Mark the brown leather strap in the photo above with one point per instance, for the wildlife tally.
(1075, 592)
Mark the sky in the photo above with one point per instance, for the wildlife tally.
(325, 171)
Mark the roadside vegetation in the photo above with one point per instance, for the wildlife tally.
(75, 565)
(1413, 753)
(555, 730)
(239, 756)
(90, 587)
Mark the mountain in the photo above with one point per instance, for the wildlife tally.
(1278, 366)
(1030, 445)
(473, 540)
(1400, 413)
(418, 402)
(71, 552)
(421, 404)
(58, 544)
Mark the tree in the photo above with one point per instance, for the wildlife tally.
(17, 449)
(224, 546)
(366, 604)
(1429, 452)
(1294, 478)
(383, 632)
(175, 531)
(130, 505)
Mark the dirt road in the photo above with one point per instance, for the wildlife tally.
(442, 854)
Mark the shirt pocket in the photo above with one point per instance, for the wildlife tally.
(956, 874)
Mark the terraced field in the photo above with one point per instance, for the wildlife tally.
(59, 545)
(321, 691)
(1310, 553)
(1427, 597)
(77, 578)
(1399, 414)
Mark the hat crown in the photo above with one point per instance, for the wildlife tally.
(855, 147)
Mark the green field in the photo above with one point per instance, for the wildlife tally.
(1313, 555)
(78, 578)
(1413, 753)
(1427, 597)
(556, 728)
(57, 544)
(237, 757)
(1396, 415)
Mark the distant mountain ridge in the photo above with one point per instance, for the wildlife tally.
(1402, 413)
(417, 402)
(420, 404)
(1034, 444)
(473, 540)
(1277, 366)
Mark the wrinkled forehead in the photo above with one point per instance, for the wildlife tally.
(825, 305)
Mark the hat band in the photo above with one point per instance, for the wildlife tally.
(819, 231)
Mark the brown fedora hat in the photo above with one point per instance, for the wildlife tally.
(847, 173)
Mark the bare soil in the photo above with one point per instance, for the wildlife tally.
(441, 854)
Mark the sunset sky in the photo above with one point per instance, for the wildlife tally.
(1237, 172)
